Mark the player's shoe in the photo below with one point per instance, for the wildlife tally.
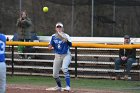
(55, 89)
(67, 88)
(126, 77)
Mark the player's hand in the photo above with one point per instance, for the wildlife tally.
(123, 57)
(50, 47)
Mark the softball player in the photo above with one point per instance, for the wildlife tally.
(2, 64)
(61, 44)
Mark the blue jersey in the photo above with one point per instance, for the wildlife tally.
(60, 47)
(2, 47)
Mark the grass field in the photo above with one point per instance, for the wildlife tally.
(118, 85)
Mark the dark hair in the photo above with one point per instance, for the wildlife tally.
(127, 37)
(22, 12)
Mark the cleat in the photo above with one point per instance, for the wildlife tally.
(126, 77)
(66, 88)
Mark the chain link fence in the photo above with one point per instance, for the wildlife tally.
(80, 17)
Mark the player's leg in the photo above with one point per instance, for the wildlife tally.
(21, 49)
(117, 63)
(56, 68)
(129, 63)
(28, 49)
(66, 62)
(2, 77)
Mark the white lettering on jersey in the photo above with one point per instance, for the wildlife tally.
(2, 47)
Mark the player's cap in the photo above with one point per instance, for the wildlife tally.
(126, 37)
(59, 24)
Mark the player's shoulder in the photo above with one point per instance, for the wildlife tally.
(53, 35)
(2, 37)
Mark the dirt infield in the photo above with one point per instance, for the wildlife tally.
(16, 88)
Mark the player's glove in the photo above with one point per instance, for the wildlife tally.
(62, 36)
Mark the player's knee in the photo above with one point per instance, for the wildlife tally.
(55, 76)
(64, 70)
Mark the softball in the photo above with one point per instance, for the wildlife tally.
(45, 9)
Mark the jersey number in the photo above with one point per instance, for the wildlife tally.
(2, 47)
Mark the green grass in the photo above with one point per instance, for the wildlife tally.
(119, 85)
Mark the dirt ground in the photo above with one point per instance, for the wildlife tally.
(13, 88)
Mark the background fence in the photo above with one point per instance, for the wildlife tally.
(80, 17)
(97, 62)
